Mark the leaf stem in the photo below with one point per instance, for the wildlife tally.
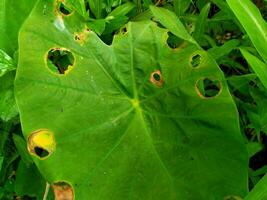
(47, 187)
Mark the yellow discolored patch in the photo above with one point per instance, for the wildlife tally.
(41, 143)
(135, 103)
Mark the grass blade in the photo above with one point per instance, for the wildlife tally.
(259, 67)
(259, 192)
(201, 23)
(252, 21)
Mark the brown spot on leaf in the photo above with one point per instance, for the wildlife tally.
(156, 78)
(81, 37)
(63, 191)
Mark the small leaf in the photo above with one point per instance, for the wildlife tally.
(259, 67)
(8, 107)
(180, 6)
(172, 22)
(250, 17)
(97, 25)
(122, 10)
(220, 51)
(1, 162)
(79, 6)
(29, 181)
(201, 23)
(21, 146)
(259, 192)
(6, 63)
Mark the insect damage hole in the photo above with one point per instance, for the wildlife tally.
(195, 60)
(60, 60)
(156, 78)
(232, 198)
(40, 152)
(63, 191)
(173, 41)
(208, 88)
(64, 9)
(123, 30)
(41, 143)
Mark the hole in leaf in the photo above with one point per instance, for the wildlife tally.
(195, 61)
(41, 152)
(63, 9)
(208, 88)
(173, 41)
(156, 78)
(63, 191)
(232, 198)
(60, 60)
(41, 143)
(123, 30)
(77, 37)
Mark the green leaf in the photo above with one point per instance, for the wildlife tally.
(128, 119)
(252, 21)
(97, 25)
(12, 15)
(259, 67)
(96, 7)
(218, 52)
(79, 6)
(259, 172)
(257, 115)
(29, 181)
(201, 23)
(180, 6)
(21, 146)
(6, 63)
(253, 148)
(259, 192)
(8, 108)
(122, 10)
(1, 162)
(171, 22)
(115, 24)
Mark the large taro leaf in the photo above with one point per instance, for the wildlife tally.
(133, 120)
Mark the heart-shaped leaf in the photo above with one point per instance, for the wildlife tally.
(133, 120)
